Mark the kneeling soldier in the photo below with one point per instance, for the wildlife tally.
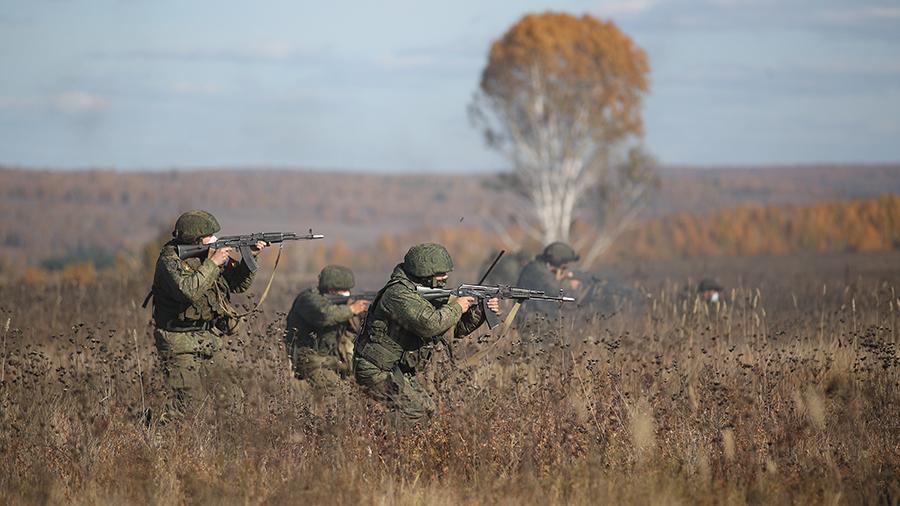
(321, 326)
(401, 329)
(550, 273)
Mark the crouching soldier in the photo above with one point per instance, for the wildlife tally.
(401, 329)
(550, 273)
(192, 312)
(321, 327)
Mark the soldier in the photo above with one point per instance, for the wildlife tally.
(548, 272)
(320, 332)
(709, 290)
(191, 313)
(401, 329)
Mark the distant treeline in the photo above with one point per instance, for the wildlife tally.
(752, 229)
(746, 230)
(849, 226)
(51, 219)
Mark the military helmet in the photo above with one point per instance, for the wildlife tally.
(709, 285)
(336, 277)
(193, 225)
(559, 253)
(426, 260)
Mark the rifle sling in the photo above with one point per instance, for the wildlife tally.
(268, 285)
(147, 298)
(504, 331)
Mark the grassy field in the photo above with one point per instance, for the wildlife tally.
(785, 393)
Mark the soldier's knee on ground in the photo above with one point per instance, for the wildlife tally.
(405, 395)
(184, 377)
(413, 401)
(222, 385)
(324, 380)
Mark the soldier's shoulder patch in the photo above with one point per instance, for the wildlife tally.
(175, 263)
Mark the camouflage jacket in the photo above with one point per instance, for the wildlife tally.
(193, 292)
(537, 276)
(402, 327)
(315, 322)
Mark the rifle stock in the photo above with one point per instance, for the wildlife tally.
(343, 299)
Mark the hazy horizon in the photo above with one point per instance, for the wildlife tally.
(414, 172)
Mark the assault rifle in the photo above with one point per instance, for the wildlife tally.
(243, 243)
(335, 298)
(485, 292)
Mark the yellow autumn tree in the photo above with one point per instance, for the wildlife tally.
(560, 98)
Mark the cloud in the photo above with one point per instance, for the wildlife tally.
(393, 61)
(16, 103)
(77, 102)
(74, 103)
(195, 88)
(740, 3)
(886, 68)
(627, 7)
(769, 15)
(257, 52)
(860, 15)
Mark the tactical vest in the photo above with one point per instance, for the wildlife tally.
(323, 340)
(171, 313)
(387, 345)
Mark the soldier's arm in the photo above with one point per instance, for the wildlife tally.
(239, 277)
(470, 320)
(319, 312)
(190, 284)
(416, 314)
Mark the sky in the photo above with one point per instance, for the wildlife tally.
(159, 84)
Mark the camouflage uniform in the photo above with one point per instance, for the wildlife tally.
(538, 276)
(191, 313)
(399, 334)
(320, 333)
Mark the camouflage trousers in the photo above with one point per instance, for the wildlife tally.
(322, 372)
(397, 390)
(197, 372)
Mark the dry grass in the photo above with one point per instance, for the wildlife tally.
(771, 398)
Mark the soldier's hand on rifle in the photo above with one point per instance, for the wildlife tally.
(493, 305)
(575, 283)
(260, 245)
(465, 302)
(358, 306)
(220, 256)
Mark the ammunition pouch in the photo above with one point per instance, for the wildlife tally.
(204, 343)
(379, 349)
(412, 360)
(221, 325)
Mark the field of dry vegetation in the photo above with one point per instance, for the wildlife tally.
(785, 393)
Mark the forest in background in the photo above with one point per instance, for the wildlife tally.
(76, 225)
